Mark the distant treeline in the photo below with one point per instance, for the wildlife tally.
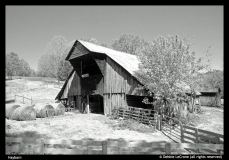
(17, 67)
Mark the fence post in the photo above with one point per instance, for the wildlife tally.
(218, 142)
(104, 147)
(23, 98)
(14, 97)
(197, 138)
(31, 100)
(159, 119)
(42, 147)
(168, 148)
(182, 133)
(156, 121)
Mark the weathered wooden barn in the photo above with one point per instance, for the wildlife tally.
(103, 77)
(211, 98)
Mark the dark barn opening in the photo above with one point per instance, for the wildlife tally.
(136, 101)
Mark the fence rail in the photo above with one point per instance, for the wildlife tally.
(23, 98)
(145, 116)
(50, 146)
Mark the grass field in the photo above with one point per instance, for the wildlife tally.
(32, 87)
(91, 126)
(211, 120)
(78, 127)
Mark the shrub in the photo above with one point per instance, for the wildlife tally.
(132, 125)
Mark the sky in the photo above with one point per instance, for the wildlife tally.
(30, 28)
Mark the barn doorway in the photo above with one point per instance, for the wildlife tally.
(95, 103)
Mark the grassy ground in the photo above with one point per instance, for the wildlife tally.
(92, 126)
(211, 120)
(78, 127)
(32, 87)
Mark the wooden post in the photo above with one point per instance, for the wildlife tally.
(218, 142)
(87, 104)
(23, 98)
(104, 147)
(31, 100)
(155, 120)
(197, 138)
(42, 146)
(182, 133)
(14, 97)
(159, 122)
(168, 148)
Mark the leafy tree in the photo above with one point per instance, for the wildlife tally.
(211, 81)
(128, 43)
(167, 65)
(24, 68)
(12, 64)
(44, 69)
(33, 73)
(53, 63)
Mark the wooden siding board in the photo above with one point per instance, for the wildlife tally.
(118, 78)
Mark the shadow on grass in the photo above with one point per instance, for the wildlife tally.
(28, 134)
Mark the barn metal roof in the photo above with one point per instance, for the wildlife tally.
(127, 61)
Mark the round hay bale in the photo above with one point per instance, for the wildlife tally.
(59, 109)
(23, 113)
(43, 110)
(10, 108)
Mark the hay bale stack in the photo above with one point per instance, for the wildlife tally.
(59, 108)
(24, 113)
(10, 108)
(43, 110)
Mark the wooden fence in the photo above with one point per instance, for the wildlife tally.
(145, 116)
(195, 135)
(23, 98)
(172, 127)
(50, 146)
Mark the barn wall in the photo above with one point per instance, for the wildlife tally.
(117, 83)
(74, 88)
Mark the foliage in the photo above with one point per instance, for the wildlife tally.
(211, 81)
(17, 67)
(168, 68)
(12, 64)
(128, 43)
(130, 125)
(52, 63)
(165, 65)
